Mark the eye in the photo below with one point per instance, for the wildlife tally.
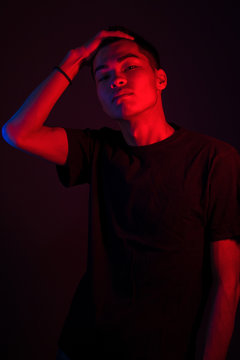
(131, 66)
(103, 78)
(107, 76)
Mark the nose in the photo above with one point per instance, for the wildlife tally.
(118, 82)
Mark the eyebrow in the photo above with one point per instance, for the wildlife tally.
(119, 59)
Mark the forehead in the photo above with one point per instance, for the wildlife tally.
(115, 50)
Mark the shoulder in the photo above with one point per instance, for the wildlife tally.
(108, 132)
(214, 147)
(106, 136)
(102, 134)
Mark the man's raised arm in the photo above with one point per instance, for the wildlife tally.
(25, 130)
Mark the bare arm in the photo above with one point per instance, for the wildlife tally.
(25, 130)
(218, 322)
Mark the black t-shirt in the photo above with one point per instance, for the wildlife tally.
(153, 212)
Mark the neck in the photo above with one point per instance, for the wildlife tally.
(146, 128)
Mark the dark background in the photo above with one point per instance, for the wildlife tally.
(43, 225)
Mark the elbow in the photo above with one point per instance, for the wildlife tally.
(5, 133)
(9, 136)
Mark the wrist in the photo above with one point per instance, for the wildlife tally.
(59, 69)
(70, 69)
(72, 62)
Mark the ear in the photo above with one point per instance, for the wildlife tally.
(161, 79)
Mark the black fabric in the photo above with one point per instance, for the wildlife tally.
(153, 212)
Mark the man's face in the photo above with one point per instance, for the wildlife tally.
(133, 75)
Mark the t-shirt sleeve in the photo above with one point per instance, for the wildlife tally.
(77, 169)
(223, 218)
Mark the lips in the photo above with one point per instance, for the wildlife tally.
(120, 94)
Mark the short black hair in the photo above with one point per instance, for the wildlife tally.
(138, 39)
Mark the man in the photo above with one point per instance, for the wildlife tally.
(162, 278)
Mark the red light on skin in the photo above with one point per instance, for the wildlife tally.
(132, 74)
(120, 97)
(141, 116)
